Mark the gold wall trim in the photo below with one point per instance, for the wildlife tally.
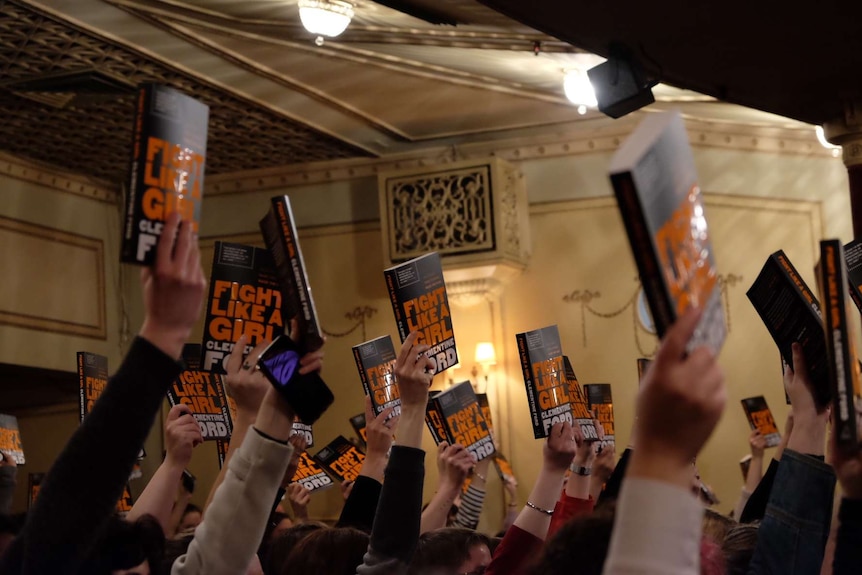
(49, 177)
(588, 137)
(98, 328)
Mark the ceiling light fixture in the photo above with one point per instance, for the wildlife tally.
(579, 90)
(325, 17)
(821, 137)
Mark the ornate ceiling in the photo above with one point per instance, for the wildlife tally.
(393, 83)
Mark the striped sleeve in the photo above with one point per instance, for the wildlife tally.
(471, 508)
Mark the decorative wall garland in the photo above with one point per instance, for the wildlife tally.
(360, 315)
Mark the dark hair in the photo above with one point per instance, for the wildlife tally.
(192, 508)
(124, 545)
(579, 547)
(337, 551)
(738, 548)
(174, 548)
(276, 553)
(445, 549)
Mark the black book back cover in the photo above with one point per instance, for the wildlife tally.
(375, 361)
(244, 299)
(791, 313)
(359, 426)
(434, 420)
(341, 458)
(222, 446)
(418, 295)
(167, 168)
(541, 357)
(279, 232)
(10, 438)
(580, 412)
(462, 416)
(853, 260)
(92, 379)
(600, 401)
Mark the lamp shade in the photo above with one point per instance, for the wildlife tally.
(485, 354)
(578, 89)
(325, 17)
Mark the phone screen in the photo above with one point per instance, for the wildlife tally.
(307, 394)
(282, 365)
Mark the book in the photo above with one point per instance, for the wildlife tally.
(601, 404)
(744, 466)
(485, 408)
(643, 366)
(791, 314)
(418, 295)
(310, 475)
(222, 446)
(92, 379)
(853, 260)
(503, 467)
(10, 438)
(662, 207)
(304, 429)
(167, 168)
(375, 361)
(279, 232)
(844, 376)
(462, 420)
(341, 459)
(760, 418)
(244, 299)
(434, 419)
(580, 412)
(204, 394)
(359, 424)
(34, 484)
(126, 502)
(541, 358)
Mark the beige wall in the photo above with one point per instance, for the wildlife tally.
(757, 202)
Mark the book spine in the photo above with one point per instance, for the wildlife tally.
(133, 210)
(649, 267)
(363, 377)
(449, 437)
(396, 304)
(532, 393)
(796, 281)
(82, 391)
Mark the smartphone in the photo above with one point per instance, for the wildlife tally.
(307, 394)
(188, 481)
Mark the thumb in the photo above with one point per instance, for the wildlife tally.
(677, 337)
(177, 411)
(799, 365)
(369, 416)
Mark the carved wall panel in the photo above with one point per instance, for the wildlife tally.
(471, 212)
(69, 300)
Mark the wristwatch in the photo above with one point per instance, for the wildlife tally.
(580, 470)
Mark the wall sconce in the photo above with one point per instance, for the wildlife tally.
(486, 356)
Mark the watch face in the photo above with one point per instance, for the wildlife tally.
(644, 315)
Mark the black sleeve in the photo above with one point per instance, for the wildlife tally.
(396, 523)
(615, 481)
(7, 487)
(848, 547)
(755, 509)
(361, 505)
(80, 493)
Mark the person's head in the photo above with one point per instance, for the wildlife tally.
(132, 548)
(282, 544)
(716, 525)
(738, 548)
(192, 517)
(579, 547)
(336, 551)
(451, 551)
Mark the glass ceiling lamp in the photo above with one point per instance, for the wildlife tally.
(579, 90)
(325, 17)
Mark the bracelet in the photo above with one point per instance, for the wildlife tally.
(480, 476)
(582, 471)
(532, 505)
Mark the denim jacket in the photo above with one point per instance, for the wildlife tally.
(792, 536)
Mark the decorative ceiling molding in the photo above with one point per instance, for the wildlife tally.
(93, 135)
(50, 177)
(592, 140)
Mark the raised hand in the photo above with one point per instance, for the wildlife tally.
(174, 288)
(454, 463)
(757, 443)
(559, 450)
(809, 422)
(679, 404)
(246, 384)
(412, 371)
(299, 498)
(182, 435)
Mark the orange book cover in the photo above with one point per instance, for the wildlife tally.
(463, 421)
(548, 395)
(342, 459)
(10, 438)
(760, 418)
(310, 475)
(375, 361)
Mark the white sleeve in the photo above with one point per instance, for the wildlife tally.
(657, 530)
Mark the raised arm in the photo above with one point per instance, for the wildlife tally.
(453, 464)
(182, 435)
